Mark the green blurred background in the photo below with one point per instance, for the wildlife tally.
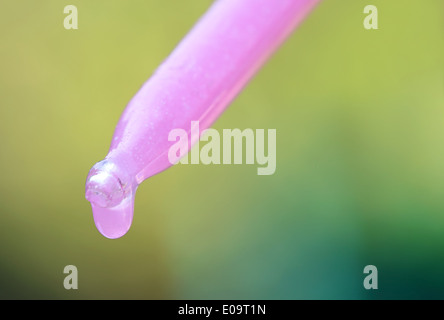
(359, 116)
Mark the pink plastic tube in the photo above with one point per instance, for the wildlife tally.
(195, 83)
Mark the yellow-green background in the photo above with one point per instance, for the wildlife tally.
(360, 159)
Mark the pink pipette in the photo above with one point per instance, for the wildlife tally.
(195, 83)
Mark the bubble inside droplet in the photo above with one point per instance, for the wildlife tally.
(104, 189)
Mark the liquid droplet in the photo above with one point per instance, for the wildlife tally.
(112, 199)
(114, 222)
